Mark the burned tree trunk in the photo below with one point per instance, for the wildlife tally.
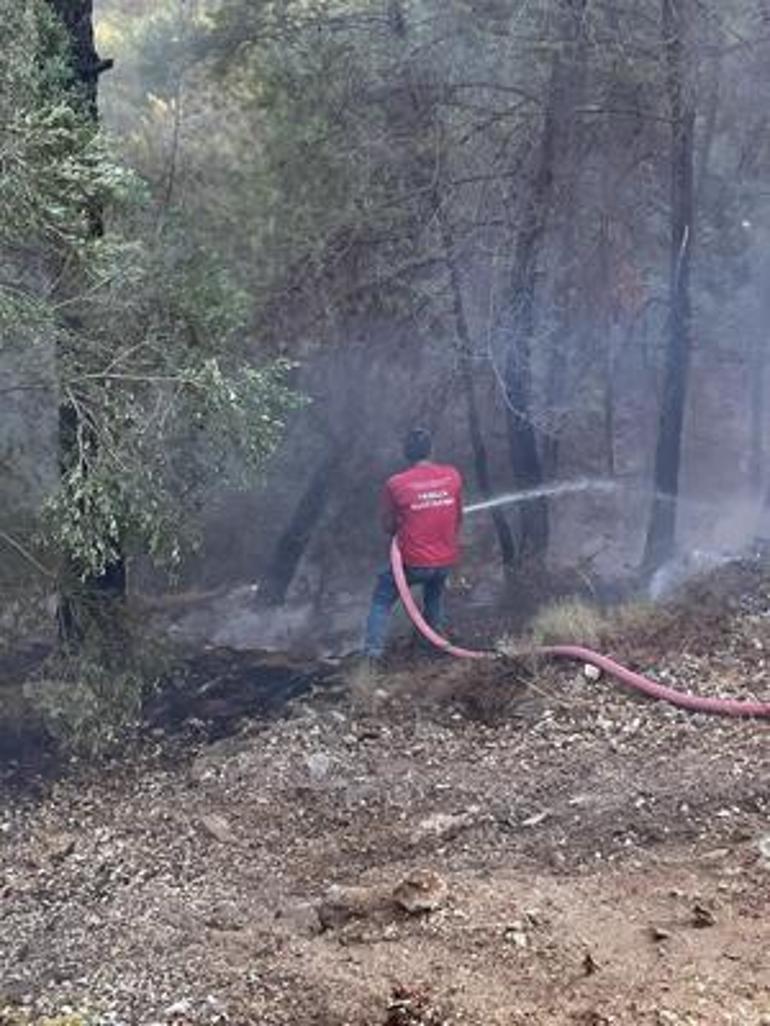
(293, 541)
(517, 374)
(555, 146)
(661, 530)
(757, 364)
(758, 358)
(478, 447)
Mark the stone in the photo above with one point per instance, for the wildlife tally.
(444, 825)
(422, 891)
(302, 918)
(61, 846)
(225, 917)
(702, 917)
(179, 1009)
(516, 934)
(318, 765)
(539, 817)
(217, 826)
(341, 904)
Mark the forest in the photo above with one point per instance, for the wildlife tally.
(246, 247)
(548, 219)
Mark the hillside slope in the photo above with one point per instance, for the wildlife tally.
(474, 845)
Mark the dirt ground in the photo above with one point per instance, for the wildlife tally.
(442, 843)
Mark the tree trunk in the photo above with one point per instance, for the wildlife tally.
(608, 404)
(757, 364)
(565, 83)
(293, 542)
(608, 327)
(82, 599)
(478, 447)
(661, 532)
(758, 479)
(567, 92)
(517, 373)
(87, 66)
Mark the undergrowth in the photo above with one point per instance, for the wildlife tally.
(576, 621)
(87, 694)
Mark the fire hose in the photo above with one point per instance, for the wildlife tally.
(576, 653)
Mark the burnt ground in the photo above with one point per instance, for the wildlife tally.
(595, 858)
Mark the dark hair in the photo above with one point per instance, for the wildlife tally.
(418, 445)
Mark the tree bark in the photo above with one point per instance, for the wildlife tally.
(294, 540)
(758, 361)
(517, 373)
(758, 480)
(82, 599)
(478, 447)
(661, 532)
(555, 143)
(87, 66)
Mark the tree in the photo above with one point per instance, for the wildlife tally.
(661, 532)
(494, 176)
(152, 360)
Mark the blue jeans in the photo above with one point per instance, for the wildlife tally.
(431, 578)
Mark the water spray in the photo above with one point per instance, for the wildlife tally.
(545, 491)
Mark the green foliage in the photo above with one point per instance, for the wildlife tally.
(89, 709)
(90, 697)
(151, 361)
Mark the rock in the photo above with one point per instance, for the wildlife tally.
(302, 918)
(226, 918)
(590, 965)
(61, 846)
(341, 904)
(444, 825)
(318, 765)
(659, 934)
(217, 826)
(516, 934)
(421, 891)
(702, 917)
(764, 848)
(665, 1018)
(179, 1009)
(539, 817)
(592, 672)
(202, 769)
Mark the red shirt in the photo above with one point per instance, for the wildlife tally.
(423, 507)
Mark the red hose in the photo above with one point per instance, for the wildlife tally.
(695, 703)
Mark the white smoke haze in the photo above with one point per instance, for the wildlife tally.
(292, 563)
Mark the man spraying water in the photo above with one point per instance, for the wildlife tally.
(422, 507)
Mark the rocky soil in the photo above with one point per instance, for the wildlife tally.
(509, 843)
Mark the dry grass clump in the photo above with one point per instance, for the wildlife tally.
(635, 616)
(569, 621)
(576, 621)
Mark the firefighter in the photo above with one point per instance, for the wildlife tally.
(422, 507)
